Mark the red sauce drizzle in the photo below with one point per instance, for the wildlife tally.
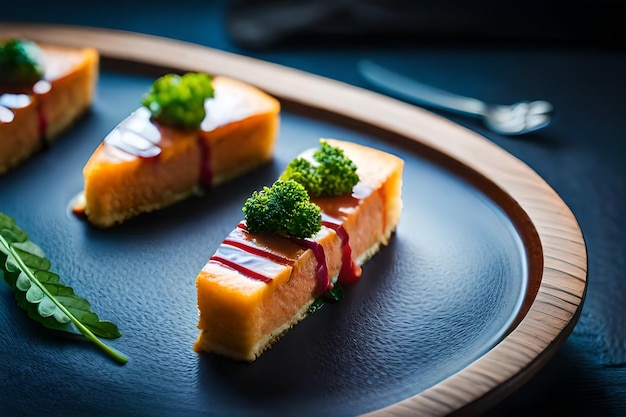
(247, 248)
(240, 268)
(321, 273)
(350, 272)
(255, 250)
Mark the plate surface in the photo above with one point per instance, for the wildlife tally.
(482, 282)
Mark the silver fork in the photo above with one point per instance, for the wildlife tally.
(514, 119)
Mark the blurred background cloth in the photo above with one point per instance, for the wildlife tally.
(258, 24)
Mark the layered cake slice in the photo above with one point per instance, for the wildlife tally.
(44, 89)
(153, 158)
(264, 277)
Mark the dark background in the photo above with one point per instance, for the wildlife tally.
(568, 52)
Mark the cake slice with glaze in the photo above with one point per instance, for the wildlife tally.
(146, 164)
(258, 285)
(35, 110)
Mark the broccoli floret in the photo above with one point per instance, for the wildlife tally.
(179, 100)
(284, 208)
(329, 173)
(21, 63)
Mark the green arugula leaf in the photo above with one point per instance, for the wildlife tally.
(334, 294)
(42, 295)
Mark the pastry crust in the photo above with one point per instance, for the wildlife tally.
(240, 316)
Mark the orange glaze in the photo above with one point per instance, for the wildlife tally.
(136, 135)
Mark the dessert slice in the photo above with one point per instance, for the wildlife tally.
(258, 284)
(152, 160)
(44, 89)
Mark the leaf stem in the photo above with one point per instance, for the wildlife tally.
(111, 352)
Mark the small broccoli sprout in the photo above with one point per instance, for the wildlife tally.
(21, 63)
(177, 100)
(284, 208)
(330, 172)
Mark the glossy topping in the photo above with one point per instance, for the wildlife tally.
(246, 263)
(259, 259)
(275, 248)
(262, 257)
(6, 115)
(136, 135)
(233, 101)
(11, 102)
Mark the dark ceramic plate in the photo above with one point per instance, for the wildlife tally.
(459, 279)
